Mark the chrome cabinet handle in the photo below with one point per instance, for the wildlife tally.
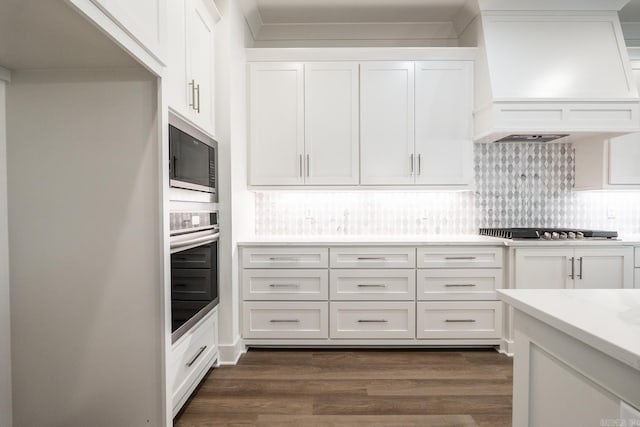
(307, 165)
(194, 358)
(284, 285)
(572, 276)
(580, 276)
(373, 321)
(449, 258)
(419, 164)
(411, 163)
(459, 285)
(371, 258)
(382, 285)
(198, 97)
(283, 258)
(301, 173)
(284, 321)
(192, 104)
(460, 321)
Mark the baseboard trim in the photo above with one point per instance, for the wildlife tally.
(507, 347)
(230, 354)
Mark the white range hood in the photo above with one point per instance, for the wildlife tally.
(551, 69)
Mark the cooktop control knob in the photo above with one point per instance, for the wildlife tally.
(572, 235)
(555, 236)
(579, 235)
(546, 235)
(563, 236)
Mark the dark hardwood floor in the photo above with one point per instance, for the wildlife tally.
(439, 388)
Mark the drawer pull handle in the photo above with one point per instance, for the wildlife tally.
(459, 285)
(284, 285)
(193, 360)
(382, 285)
(284, 258)
(460, 321)
(372, 258)
(459, 258)
(372, 321)
(284, 321)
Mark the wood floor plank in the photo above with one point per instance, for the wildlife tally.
(367, 421)
(282, 387)
(456, 387)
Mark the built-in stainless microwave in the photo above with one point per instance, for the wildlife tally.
(192, 158)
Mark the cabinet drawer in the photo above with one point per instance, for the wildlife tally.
(285, 320)
(191, 356)
(291, 284)
(460, 257)
(281, 257)
(373, 320)
(464, 319)
(363, 257)
(458, 284)
(373, 285)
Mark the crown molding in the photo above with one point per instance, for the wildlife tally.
(252, 16)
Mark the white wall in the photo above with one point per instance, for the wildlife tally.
(236, 203)
(84, 209)
(5, 315)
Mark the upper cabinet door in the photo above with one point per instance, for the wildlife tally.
(624, 156)
(276, 123)
(200, 38)
(444, 109)
(386, 123)
(143, 19)
(331, 123)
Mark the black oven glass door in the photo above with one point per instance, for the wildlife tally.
(194, 285)
(191, 161)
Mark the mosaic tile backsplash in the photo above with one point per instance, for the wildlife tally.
(517, 185)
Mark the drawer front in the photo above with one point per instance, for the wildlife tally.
(285, 320)
(369, 257)
(458, 284)
(464, 319)
(199, 257)
(460, 257)
(192, 354)
(281, 257)
(358, 285)
(372, 320)
(191, 284)
(294, 284)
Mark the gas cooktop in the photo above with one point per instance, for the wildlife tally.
(548, 233)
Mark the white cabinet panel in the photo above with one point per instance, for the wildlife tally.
(460, 257)
(624, 167)
(544, 268)
(373, 320)
(276, 123)
(285, 320)
(372, 257)
(293, 284)
(603, 268)
(636, 279)
(460, 319)
(444, 99)
(637, 257)
(373, 285)
(285, 257)
(387, 109)
(459, 284)
(331, 123)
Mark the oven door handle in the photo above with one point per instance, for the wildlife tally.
(184, 244)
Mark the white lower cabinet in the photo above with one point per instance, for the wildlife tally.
(459, 319)
(191, 357)
(285, 320)
(373, 320)
(371, 295)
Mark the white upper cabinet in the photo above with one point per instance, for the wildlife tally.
(443, 123)
(143, 19)
(331, 123)
(191, 71)
(386, 123)
(276, 123)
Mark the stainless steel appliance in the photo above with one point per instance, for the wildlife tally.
(192, 158)
(194, 268)
(548, 233)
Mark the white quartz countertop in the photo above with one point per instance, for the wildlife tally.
(607, 320)
(443, 240)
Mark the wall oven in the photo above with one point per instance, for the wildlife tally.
(192, 158)
(194, 268)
